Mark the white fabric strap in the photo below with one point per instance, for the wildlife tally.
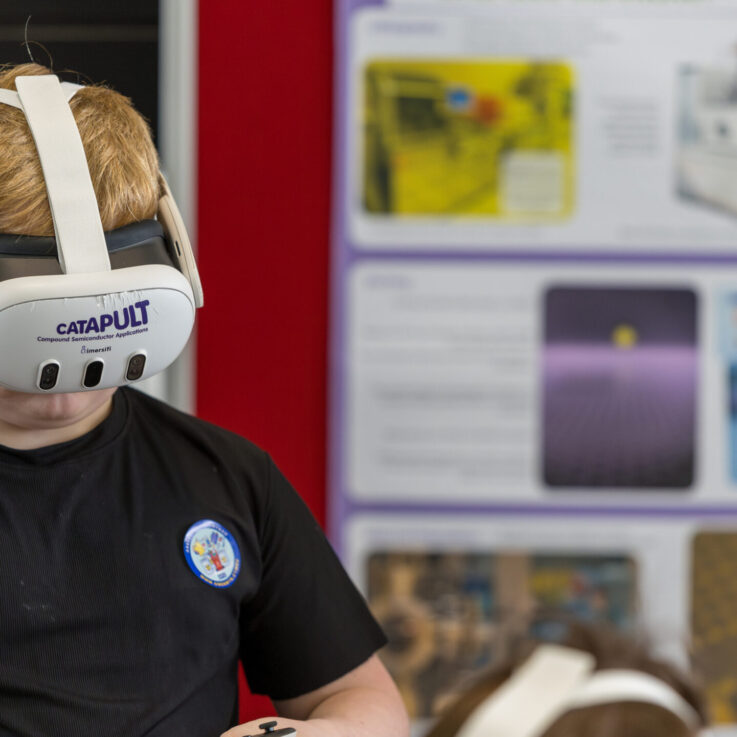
(70, 89)
(80, 239)
(555, 680)
(610, 686)
(529, 702)
(10, 97)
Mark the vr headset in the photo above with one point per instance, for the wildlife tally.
(556, 680)
(87, 309)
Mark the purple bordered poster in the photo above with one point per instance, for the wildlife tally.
(534, 324)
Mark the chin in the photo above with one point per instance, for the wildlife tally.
(39, 411)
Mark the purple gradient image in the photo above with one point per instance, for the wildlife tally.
(619, 387)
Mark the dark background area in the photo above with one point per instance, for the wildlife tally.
(112, 44)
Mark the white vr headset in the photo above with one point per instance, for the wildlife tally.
(88, 309)
(555, 680)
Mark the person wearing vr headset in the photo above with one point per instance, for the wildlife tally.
(597, 683)
(143, 553)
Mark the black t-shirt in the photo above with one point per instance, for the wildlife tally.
(106, 628)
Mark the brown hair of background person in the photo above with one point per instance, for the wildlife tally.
(123, 162)
(618, 719)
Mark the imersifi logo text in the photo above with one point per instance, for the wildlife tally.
(129, 317)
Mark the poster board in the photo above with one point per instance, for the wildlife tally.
(534, 324)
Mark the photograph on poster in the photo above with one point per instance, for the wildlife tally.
(706, 157)
(620, 386)
(732, 421)
(714, 619)
(483, 138)
(727, 327)
(449, 614)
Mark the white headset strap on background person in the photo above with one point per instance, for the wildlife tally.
(79, 234)
(555, 680)
(528, 702)
(610, 686)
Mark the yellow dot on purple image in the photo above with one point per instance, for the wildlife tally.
(624, 336)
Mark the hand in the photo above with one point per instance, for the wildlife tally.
(362, 703)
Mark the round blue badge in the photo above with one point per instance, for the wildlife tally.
(212, 553)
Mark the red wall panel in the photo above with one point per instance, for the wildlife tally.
(263, 225)
(263, 230)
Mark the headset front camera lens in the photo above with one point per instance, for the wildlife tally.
(136, 364)
(49, 376)
(93, 374)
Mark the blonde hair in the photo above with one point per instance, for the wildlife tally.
(120, 153)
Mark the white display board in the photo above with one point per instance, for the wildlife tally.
(534, 327)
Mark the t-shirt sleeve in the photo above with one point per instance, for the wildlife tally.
(307, 625)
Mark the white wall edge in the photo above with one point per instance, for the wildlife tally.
(178, 78)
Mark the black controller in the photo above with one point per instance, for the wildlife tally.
(270, 730)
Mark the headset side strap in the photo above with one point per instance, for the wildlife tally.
(70, 89)
(79, 234)
(10, 97)
(172, 222)
(533, 698)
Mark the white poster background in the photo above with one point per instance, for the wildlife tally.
(627, 58)
(444, 375)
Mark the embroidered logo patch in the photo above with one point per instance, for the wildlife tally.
(212, 553)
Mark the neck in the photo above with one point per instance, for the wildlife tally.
(58, 423)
